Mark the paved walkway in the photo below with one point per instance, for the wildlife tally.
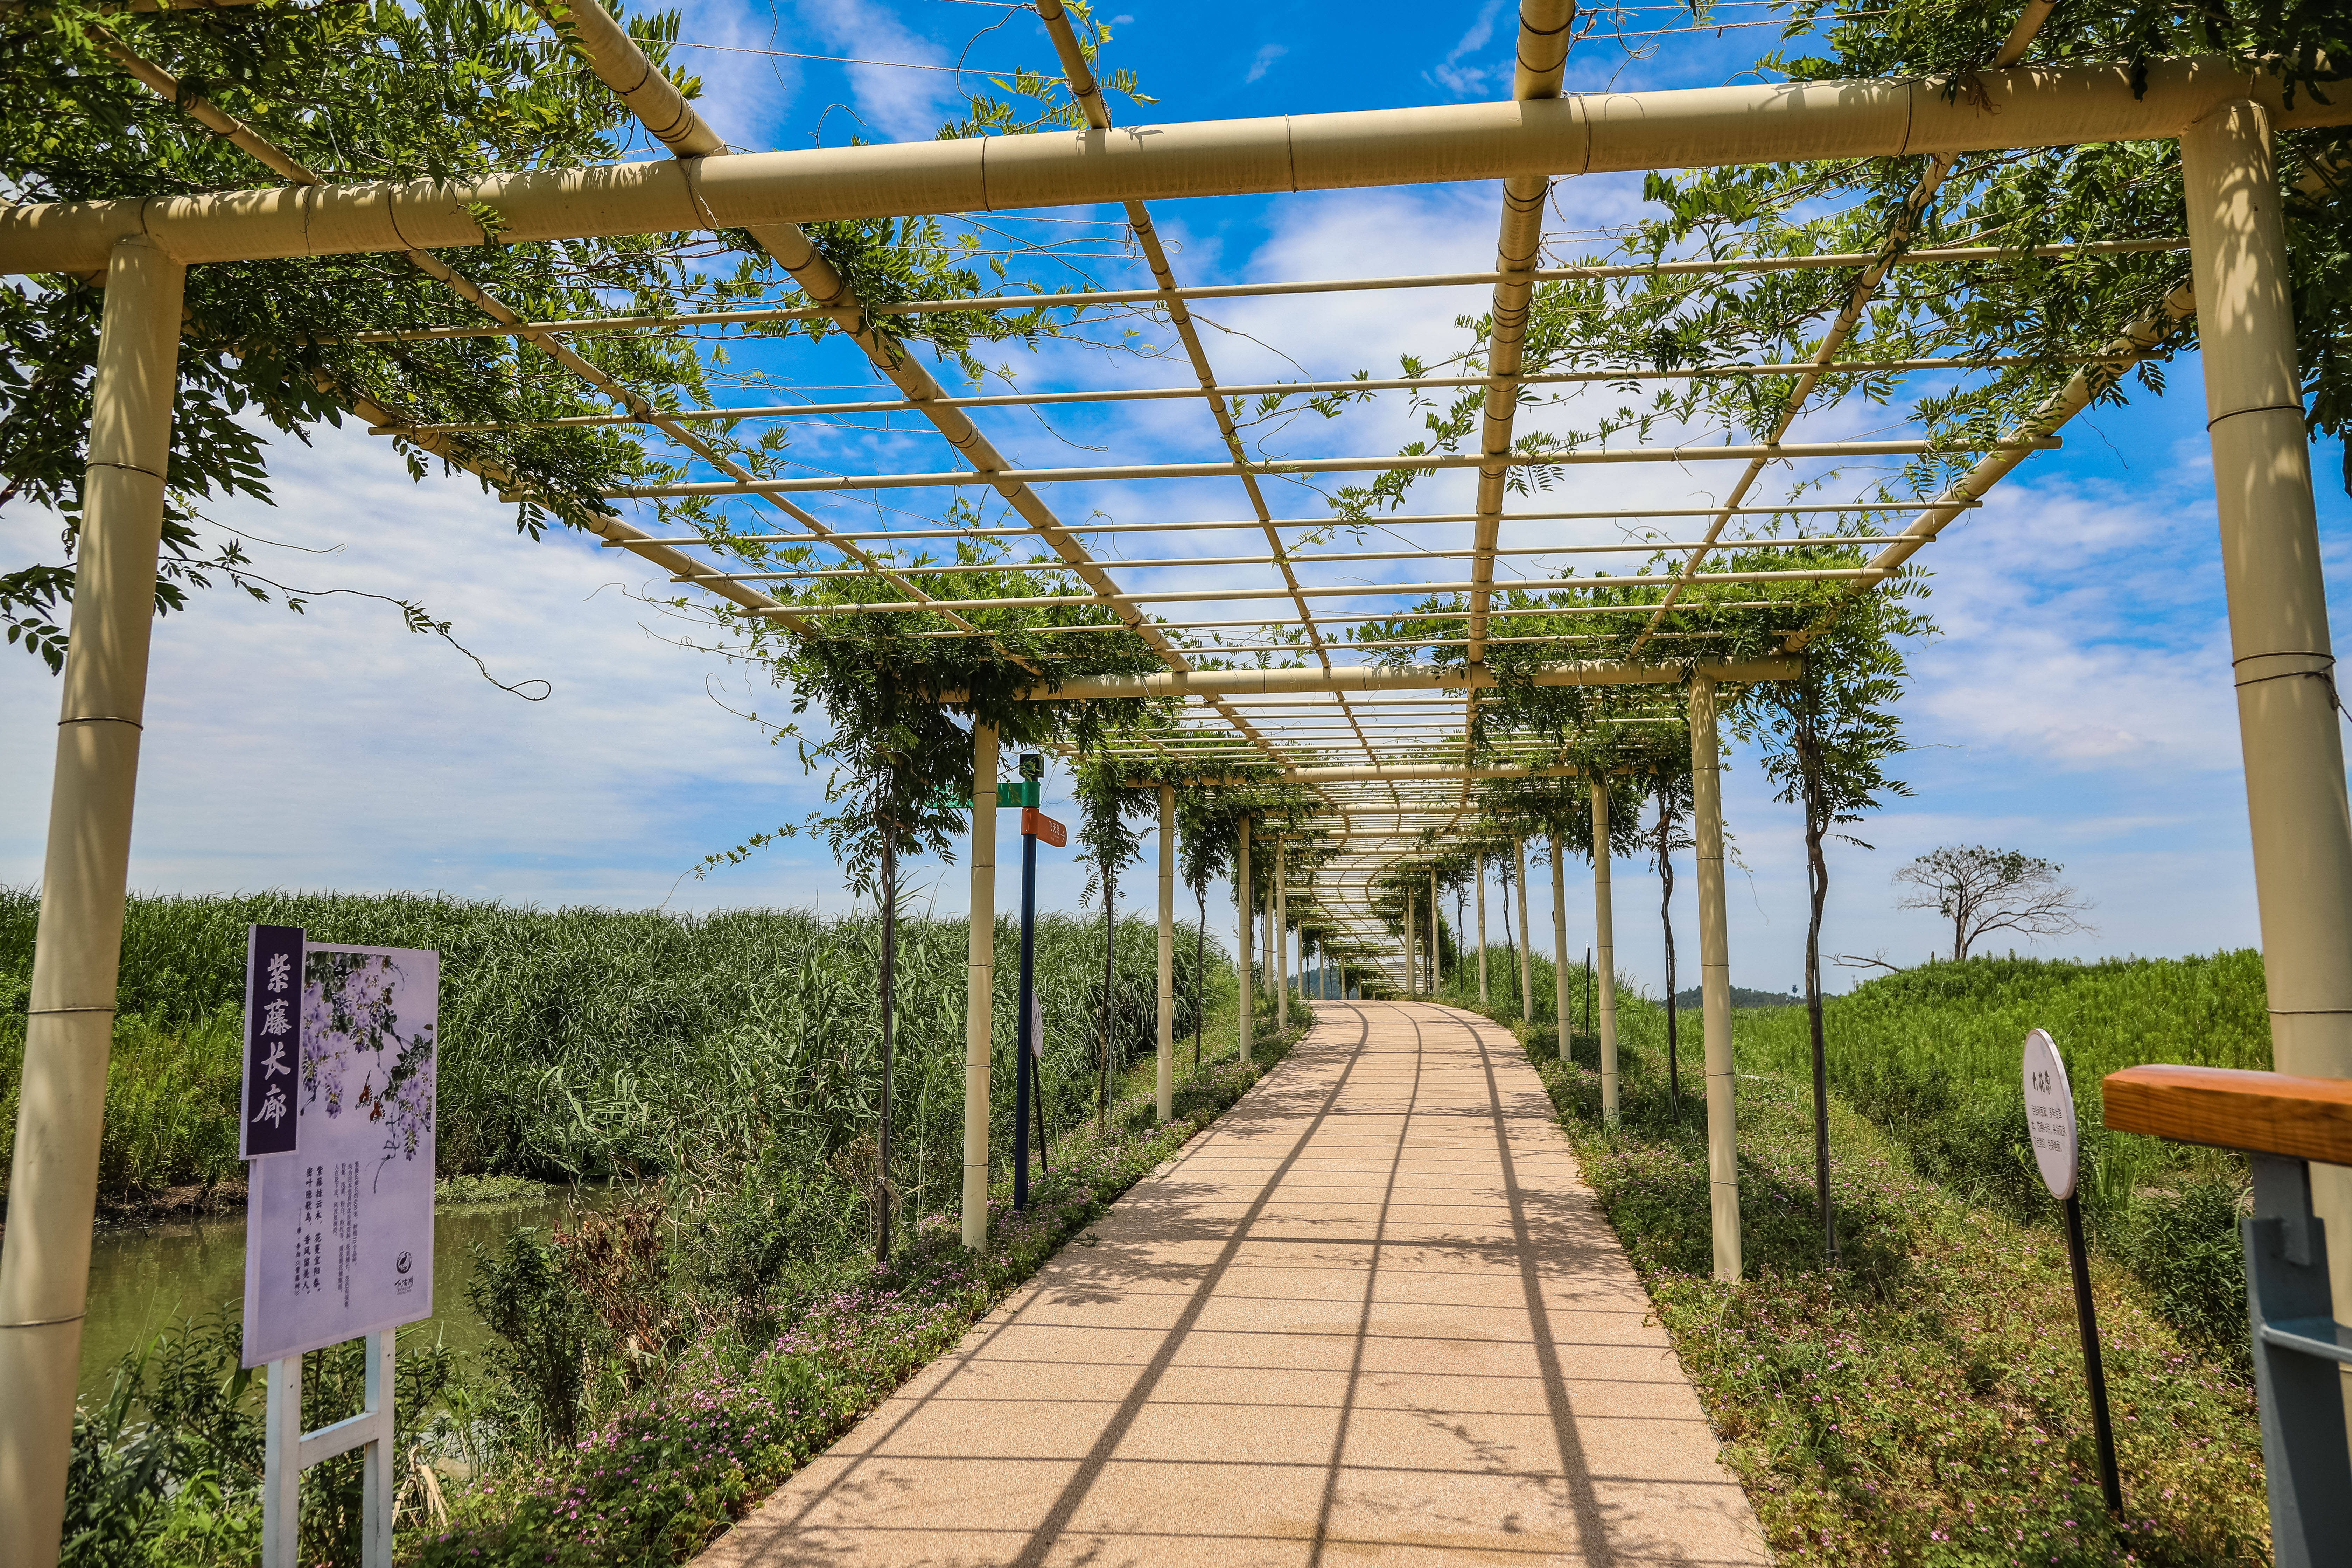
(1372, 1316)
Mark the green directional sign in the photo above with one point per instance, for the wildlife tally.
(1009, 796)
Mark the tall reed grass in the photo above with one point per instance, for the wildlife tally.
(591, 1043)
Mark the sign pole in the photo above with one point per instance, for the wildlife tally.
(1024, 1053)
(2057, 1151)
(2088, 1317)
(1029, 1033)
(288, 1451)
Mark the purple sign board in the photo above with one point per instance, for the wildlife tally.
(273, 1039)
(339, 1217)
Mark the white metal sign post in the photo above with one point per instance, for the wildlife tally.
(2057, 1149)
(338, 1103)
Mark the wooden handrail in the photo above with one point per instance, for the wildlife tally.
(2229, 1107)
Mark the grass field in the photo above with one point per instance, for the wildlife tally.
(1932, 1056)
(1924, 1405)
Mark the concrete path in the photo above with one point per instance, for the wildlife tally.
(1372, 1316)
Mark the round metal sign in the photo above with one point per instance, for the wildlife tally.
(2050, 1115)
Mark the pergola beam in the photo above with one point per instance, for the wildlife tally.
(1380, 678)
(1583, 133)
(1081, 299)
(1570, 457)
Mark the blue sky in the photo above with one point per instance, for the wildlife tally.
(2075, 706)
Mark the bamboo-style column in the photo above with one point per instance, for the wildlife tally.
(1560, 945)
(1715, 979)
(1167, 952)
(1482, 1000)
(1409, 987)
(1604, 951)
(1436, 948)
(1265, 966)
(2281, 652)
(1281, 912)
(1242, 948)
(78, 948)
(1527, 937)
(980, 988)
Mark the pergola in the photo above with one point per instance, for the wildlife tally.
(1384, 747)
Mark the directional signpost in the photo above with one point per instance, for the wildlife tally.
(1030, 1025)
(2050, 1118)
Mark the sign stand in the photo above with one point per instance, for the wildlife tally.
(339, 1111)
(2049, 1119)
(289, 1451)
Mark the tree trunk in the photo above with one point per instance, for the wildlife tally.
(1200, 977)
(1667, 920)
(1110, 953)
(1509, 946)
(1817, 877)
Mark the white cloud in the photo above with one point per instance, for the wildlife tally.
(746, 96)
(2083, 628)
(1468, 81)
(333, 749)
(1263, 61)
(896, 104)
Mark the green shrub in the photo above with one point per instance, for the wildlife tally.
(525, 1294)
(166, 1471)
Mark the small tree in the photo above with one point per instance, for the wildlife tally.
(1983, 890)
(1828, 739)
(1673, 793)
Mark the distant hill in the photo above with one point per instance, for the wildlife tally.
(1741, 997)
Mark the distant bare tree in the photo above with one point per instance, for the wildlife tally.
(1983, 890)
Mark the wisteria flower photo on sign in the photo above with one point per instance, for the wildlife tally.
(355, 1054)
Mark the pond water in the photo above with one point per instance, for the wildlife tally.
(149, 1277)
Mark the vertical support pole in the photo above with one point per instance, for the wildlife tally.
(281, 1462)
(1266, 941)
(1715, 979)
(377, 1493)
(53, 1181)
(1560, 946)
(1281, 916)
(2305, 1450)
(885, 1216)
(1167, 952)
(1527, 937)
(1436, 948)
(1604, 944)
(1026, 1046)
(1242, 949)
(1482, 998)
(1406, 940)
(980, 988)
(2279, 642)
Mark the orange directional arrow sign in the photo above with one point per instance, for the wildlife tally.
(1037, 825)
